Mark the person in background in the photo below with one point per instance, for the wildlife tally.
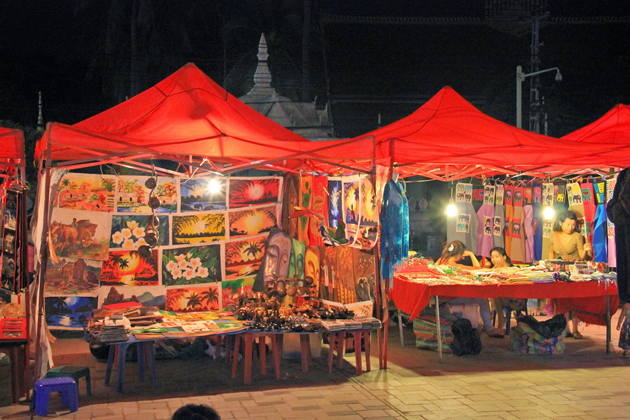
(196, 412)
(452, 253)
(500, 259)
(569, 245)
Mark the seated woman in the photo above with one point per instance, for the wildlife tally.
(451, 254)
(569, 245)
(499, 259)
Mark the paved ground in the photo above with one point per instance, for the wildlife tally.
(583, 383)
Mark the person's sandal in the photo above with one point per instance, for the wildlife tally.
(495, 333)
(569, 334)
(577, 335)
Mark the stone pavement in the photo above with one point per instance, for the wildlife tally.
(583, 383)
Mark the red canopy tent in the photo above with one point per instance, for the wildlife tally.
(612, 128)
(11, 148)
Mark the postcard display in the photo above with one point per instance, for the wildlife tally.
(210, 232)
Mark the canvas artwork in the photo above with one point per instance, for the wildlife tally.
(312, 267)
(72, 277)
(129, 268)
(86, 192)
(318, 205)
(352, 207)
(69, 312)
(128, 231)
(198, 228)
(9, 218)
(8, 245)
(232, 288)
(305, 198)
(328, 271)
(245, 192)
(132, 196)
(202, 194)
(146, 295)
(296, 259)
(368, 223)
(345, 289)
(252, 221)
(194, 298)
(244, 257)
(364, 274)
(289, 203)
(191, 265)
(79, 234)
(335, 207)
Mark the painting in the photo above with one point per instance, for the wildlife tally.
(9, 218)
(86, 192)
(245, 192)
(198, 228)
(312, 267)
(72, 277)
(202, 194)
(8, 245)
(69, 312)
(335, 207)
(252, 221)
(79, 234)
(243, 257)
(352, 207)
(129, 268)
(146, 295)
(296, 259)
(305, 196)
(364, 274)
(328, 271)
(345, 289)
(132, 196)
(289, 203)
(318, 205)
(368, 216)
(128, 231)
(191, 265)
(193, 298)
(230, 288)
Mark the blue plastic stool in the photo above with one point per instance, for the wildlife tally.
(66, 385)
(74, 372)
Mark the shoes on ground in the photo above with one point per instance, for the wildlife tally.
(495, 333)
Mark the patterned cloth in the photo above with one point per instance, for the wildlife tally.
(523, 339)
(394, 229)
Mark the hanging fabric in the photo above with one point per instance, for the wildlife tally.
(518, 232)
(600, 235)
(547, 224)
(499, 218)
(306, 192)
(289, 203)
(394, 243)
(588, 201)
(612, 246)
(537, 220)
(509, 214)
(318, 205)
(576, 205)
(485, 218)
(463, 227)
(528, 228)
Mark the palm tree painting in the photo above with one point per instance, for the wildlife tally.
(243, 257)
(193, 298)
(129, 268)
(198, 228)
(254, 191)
(252, 221)
(86, 192)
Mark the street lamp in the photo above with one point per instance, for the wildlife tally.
(520, 76)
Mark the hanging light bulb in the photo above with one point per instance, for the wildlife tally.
(548, 213)
(451, 210)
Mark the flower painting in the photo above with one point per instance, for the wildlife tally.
(132, 196)
(193, 299)
(201, 194)
(252, 221)
(246, 192)
(86, 192)
(191, 265)
(243, 257)
(79, 234)
(130, 268)
(198, 228)
(128, 231)
(233, 287)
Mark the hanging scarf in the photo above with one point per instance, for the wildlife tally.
(485, 218)
(590, 208)
(518, 232)
(463, 227)
(509, 213)
(537, 221)
(499, 218)
(612, 246)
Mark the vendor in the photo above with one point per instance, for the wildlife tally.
(569, 245)
(452, 253)
(500, 259)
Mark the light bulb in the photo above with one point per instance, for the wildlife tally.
(214, 186)
(548, 213)
(451, 210)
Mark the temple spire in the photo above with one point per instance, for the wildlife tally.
(40, 117)
(262, 76)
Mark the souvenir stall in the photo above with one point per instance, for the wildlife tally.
(184, 233)
(14, 312)
(472, 144)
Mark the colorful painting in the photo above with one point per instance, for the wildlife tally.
(368, 216)
(198, 228)
(253, 221)
(9, 218)
(245, 192)
(312, 267)
(328, 271)
(86, 192)
(69, 313)
(146, 295)
(79, 234)
(351, 200)
(335, 206)
(128, 231)
(289, 203)
(129, 268)
(345, 288)
(296, 259)
(231, 289)
(194, 299)
(132, 196)
(243, 257)
(191, 265)
(202, 194)
(72, 277)
(305, 197)
(364, 274)
(318, 205)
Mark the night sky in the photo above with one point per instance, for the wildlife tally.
(79, 54)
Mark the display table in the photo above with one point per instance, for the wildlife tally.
(412, 296)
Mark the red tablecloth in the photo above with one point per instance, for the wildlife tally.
(412, 297)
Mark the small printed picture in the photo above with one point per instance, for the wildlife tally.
(487, 226)
(497, 226)
(9, 242)
(9, 218)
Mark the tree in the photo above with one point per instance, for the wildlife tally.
(193, 301)
(209, 296)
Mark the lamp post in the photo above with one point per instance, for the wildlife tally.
(520, 76)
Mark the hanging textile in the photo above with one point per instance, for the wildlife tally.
(528, 228)
(485, 218)
(612, 246)
(618, 210)
(588, 201)
(318, 205)
(576, 205)
(509, 213)
(352, 207)
(335, 203)
(600, 235)
(394, 243)
(289, 203)
(537, 221)
(306, 193)
(296, 260)
(463, 227)
(477, 197)
(518, 232)
(499, 218)
(547, 224)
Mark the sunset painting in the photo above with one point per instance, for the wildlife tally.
(191, 265)
(201, 194)
(129, 268)
(254, 191)
(243, 257)
(86, 192)
(198, 228)
(251, 222)
(194, 299)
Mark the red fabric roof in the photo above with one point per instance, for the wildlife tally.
(612, 128)
(185, 114)
(11, 144)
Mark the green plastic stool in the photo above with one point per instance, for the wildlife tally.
(74, 372)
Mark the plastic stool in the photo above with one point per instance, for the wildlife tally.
(74, 372)
(66, 385)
